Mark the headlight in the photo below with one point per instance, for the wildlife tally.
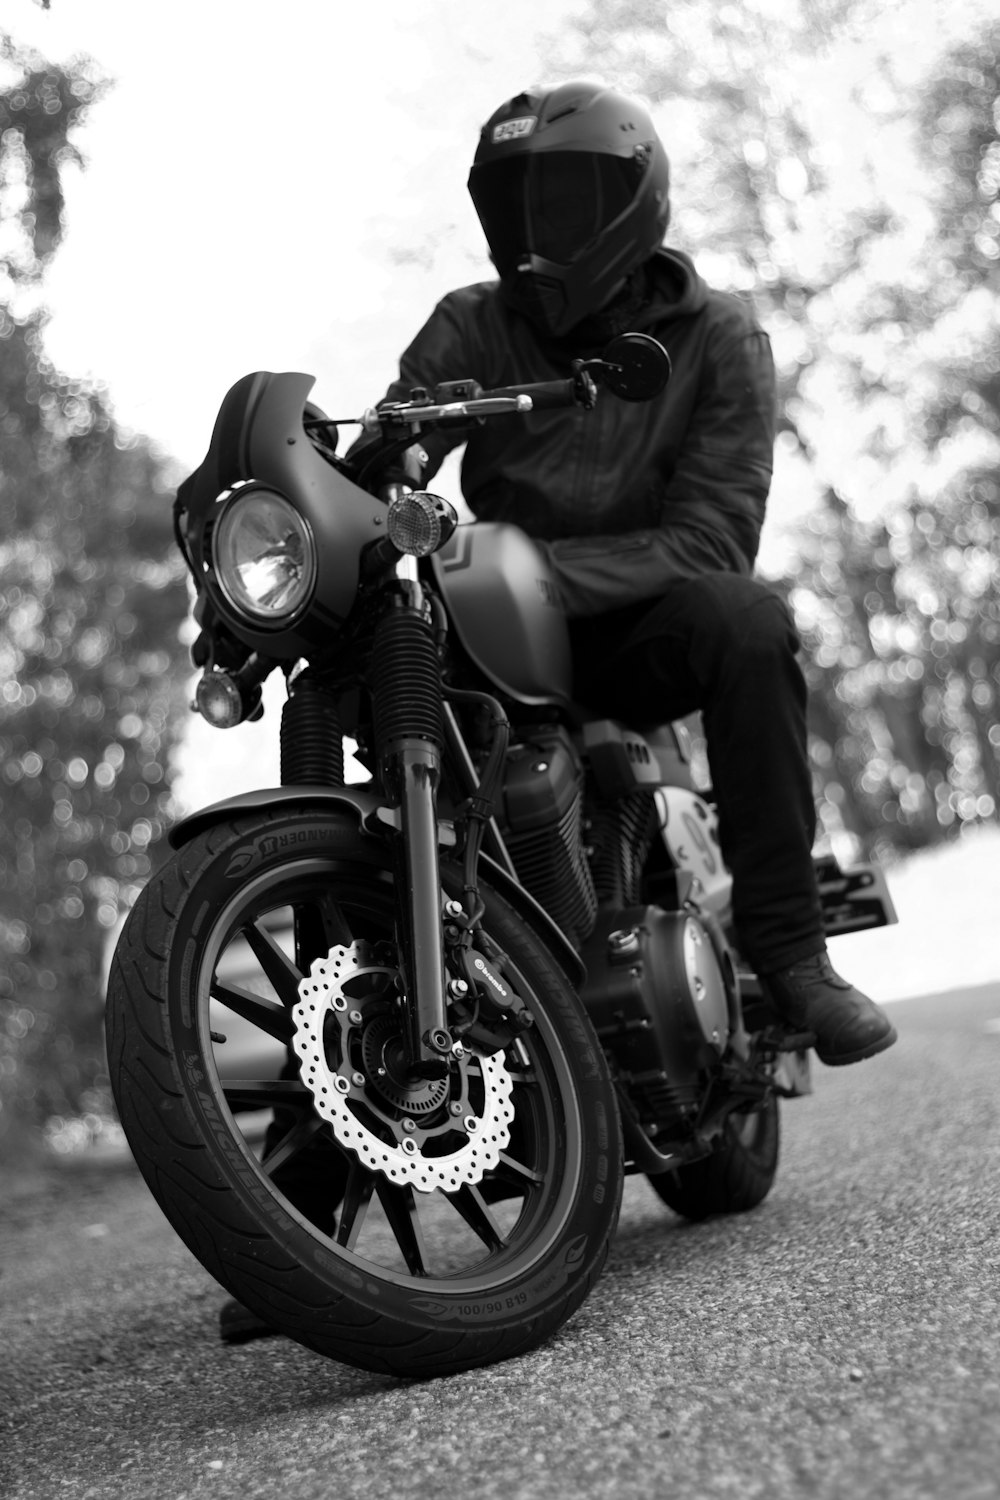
(264, 555)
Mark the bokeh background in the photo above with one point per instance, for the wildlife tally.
(191, 192)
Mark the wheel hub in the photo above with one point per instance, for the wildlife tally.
(428, 1133)
(384, 1064)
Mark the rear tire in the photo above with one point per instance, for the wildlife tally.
(404, 1279)
(738, 1174)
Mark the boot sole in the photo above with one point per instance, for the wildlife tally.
(843, 1059)
(238, 1325)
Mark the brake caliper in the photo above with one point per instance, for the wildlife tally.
(492, 1015)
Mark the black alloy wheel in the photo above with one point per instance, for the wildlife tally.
(254, 1037)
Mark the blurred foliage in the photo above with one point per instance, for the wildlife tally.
(838, 161)
(39, 106)
(90, 606)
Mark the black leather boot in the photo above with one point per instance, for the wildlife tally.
(314, 1181)
(811, 996)
(238, 1325)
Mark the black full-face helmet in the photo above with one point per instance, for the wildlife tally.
(572, 188)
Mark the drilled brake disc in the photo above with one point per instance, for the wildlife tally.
(426, 1133)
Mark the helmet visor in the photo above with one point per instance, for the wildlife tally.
(552, 204)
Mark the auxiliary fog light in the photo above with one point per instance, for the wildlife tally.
(418, 523)
(222, 701)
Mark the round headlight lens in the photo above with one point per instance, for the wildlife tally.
(265, 558)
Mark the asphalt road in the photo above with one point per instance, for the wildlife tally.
(842, 1340)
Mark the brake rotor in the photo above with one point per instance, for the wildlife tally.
(350, 1052)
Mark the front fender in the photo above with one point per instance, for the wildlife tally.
(366, 805)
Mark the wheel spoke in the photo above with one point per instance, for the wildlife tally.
(525, 1075)
(283, 974)
(320, 925)
(297, 1139)
(401, 1211)
(266, 1014)
(515, 1169)
(474, 1209)
(354, 1209)
(253, 1093)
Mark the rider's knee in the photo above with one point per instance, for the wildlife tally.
(742, 616)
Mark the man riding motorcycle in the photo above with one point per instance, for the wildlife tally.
(650, 512)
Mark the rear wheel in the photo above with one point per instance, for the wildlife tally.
(419, 1227)
(736, 1176)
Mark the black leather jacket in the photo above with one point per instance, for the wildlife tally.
(627, 497)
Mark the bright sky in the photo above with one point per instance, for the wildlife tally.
(248, 179)
(250, 176)
(273, 187)
(268, 187)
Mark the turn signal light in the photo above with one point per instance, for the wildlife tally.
(223, 701)
(418, 523)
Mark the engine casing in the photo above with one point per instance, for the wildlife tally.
(661, 994)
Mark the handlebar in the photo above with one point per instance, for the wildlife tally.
(494, 404)
(633, 367)
(465, 400)
(552, 395)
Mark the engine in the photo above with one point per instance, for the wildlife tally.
(542, 821)
(660, 986)
(660, 991)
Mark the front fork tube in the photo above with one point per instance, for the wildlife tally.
(416, 765)
(409, 734)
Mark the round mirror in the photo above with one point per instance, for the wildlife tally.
(638, 367)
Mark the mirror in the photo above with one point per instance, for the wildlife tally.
(633, 367)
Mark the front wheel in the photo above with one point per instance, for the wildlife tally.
(736, 1176)
(415, 1226)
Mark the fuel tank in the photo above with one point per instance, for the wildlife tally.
(505, 610)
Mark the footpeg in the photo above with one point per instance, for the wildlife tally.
(776, 1039)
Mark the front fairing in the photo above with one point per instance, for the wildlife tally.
(259, 436)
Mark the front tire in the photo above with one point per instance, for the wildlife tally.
(736, 1176)
(404, 1269)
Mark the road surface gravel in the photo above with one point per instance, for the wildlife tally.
(841, 1341)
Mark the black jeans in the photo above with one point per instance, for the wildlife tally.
(726, 645)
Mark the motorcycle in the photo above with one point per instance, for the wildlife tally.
(492, 977)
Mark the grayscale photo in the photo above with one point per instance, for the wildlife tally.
(500, 750)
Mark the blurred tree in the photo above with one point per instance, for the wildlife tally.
(838, 161)
(89, 653)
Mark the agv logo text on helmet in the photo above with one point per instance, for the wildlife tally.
(513, 130)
